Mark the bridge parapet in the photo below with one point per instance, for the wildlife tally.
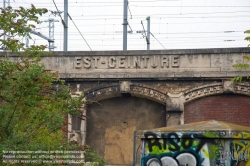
(160, 64)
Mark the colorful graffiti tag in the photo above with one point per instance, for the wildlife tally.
(195, 149)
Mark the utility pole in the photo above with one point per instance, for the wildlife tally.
(6, 3)
(148, 33)
(65, 39)
(125, 23)
(51, 33)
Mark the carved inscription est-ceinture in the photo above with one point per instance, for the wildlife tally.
(112, 62)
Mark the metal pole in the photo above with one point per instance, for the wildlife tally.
(65, 39)
(134, 149)
(125, 23)
(27, 41)
(6, 3)
(51, 33)
(148, 33)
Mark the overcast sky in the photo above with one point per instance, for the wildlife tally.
(175, 24)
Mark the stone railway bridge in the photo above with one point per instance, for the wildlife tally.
(137, 90)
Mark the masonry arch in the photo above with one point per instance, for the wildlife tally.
(125, 88)
(224, 101)
(223, 87)
(120, 110)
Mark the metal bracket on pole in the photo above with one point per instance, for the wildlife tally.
(42, 36)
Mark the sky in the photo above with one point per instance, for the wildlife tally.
(174, 24)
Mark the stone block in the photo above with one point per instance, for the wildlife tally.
(228, 86)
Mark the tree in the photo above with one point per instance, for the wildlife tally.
(33, 100)
(248, 37)
(243, 65)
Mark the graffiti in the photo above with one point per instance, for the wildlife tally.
(175, 143)
(183, 159)
(227, 155)
(239, 150)
(196, 149)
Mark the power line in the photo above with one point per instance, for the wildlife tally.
(207, 16)
(79, 31)
(113, 1)
(206, 13)
(158, 6)
(97, 38)
(101, 2)
(48, 5)
(169, 6)
(175, 41)
(112, 33)
(204, 22)
(203, 17)
(192, 6)
(170, 43)
(157, 14)
(221, 22)
(81, 2)
(166, 38)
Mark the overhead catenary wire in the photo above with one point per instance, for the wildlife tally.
(121, 3)
(193, 17)
(191, 6)
(111, 33)
(79, 32)
(135, 42)
(157, 40)
(158, 14)
(153, 6)
(168, 38)
(221, 22)
(173, 43)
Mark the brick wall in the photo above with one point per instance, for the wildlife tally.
(227, 107)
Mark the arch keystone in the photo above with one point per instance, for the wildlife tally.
(228, 87)
(125, 86)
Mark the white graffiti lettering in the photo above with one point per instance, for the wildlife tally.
(183, 159)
